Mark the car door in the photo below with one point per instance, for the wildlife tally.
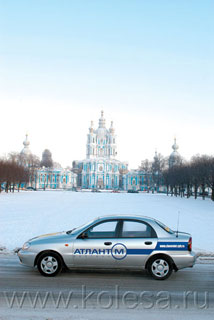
(139, 239)
(92, 248)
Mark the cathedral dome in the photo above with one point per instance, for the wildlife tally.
(174, 158)
(102, 131)
(26, 151)
(102, 120)
(46, 159)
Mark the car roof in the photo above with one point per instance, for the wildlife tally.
(125, 216)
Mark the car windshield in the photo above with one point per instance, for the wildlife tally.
(163, 226)
(75, 230)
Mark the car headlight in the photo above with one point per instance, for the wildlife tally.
(26, 246)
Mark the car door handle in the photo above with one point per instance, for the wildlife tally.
(107, 243)
(148, 242)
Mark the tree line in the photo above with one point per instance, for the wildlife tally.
(192, 178)
(184, 178)
(18, 169)
(12, 175)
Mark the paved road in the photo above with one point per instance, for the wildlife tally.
(83, 295)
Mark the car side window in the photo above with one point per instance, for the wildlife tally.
(135, 229)
(105, 229)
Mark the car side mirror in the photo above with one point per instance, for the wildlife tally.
(84, 235)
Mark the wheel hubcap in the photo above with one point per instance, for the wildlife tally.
(160, 268)
(49, 265)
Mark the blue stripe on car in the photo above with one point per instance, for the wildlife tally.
(161, 246)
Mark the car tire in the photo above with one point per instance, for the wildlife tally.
(49, 264)
(160, 267)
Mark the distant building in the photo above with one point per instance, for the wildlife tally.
(138, 180)
(55, 179)
(153, 180)
(101, 169)
(47, 159)
(47, 177)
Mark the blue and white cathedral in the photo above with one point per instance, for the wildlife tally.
(101, 169)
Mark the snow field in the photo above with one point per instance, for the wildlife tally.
(27, 214)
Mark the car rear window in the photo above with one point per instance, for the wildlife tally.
(164, 227)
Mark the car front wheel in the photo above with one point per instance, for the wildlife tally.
(160, 268)
(49, 264)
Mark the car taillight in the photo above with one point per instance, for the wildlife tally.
(190, 244)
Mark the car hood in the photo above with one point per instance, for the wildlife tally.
(51, 236)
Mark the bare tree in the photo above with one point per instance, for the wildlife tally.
(157, 167)
(12, 174)
(210, 180)
(196, 176)
(146, 167)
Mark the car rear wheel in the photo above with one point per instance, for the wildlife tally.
(49, 264)
(160, 268)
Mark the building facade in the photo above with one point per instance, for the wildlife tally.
(55, 179)
(138, 180)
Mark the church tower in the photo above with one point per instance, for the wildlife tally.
(112, 146)
(101, 169)
(101, 143)
(174, 158)
(91, 151)
(102, 137)
(26, 150)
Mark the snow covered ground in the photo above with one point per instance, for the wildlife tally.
(27, 214)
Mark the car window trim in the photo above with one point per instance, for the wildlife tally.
(94, 225)
(139, 221)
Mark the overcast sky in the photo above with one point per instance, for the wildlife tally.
(149, 64)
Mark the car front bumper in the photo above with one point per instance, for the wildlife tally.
(27, 257)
